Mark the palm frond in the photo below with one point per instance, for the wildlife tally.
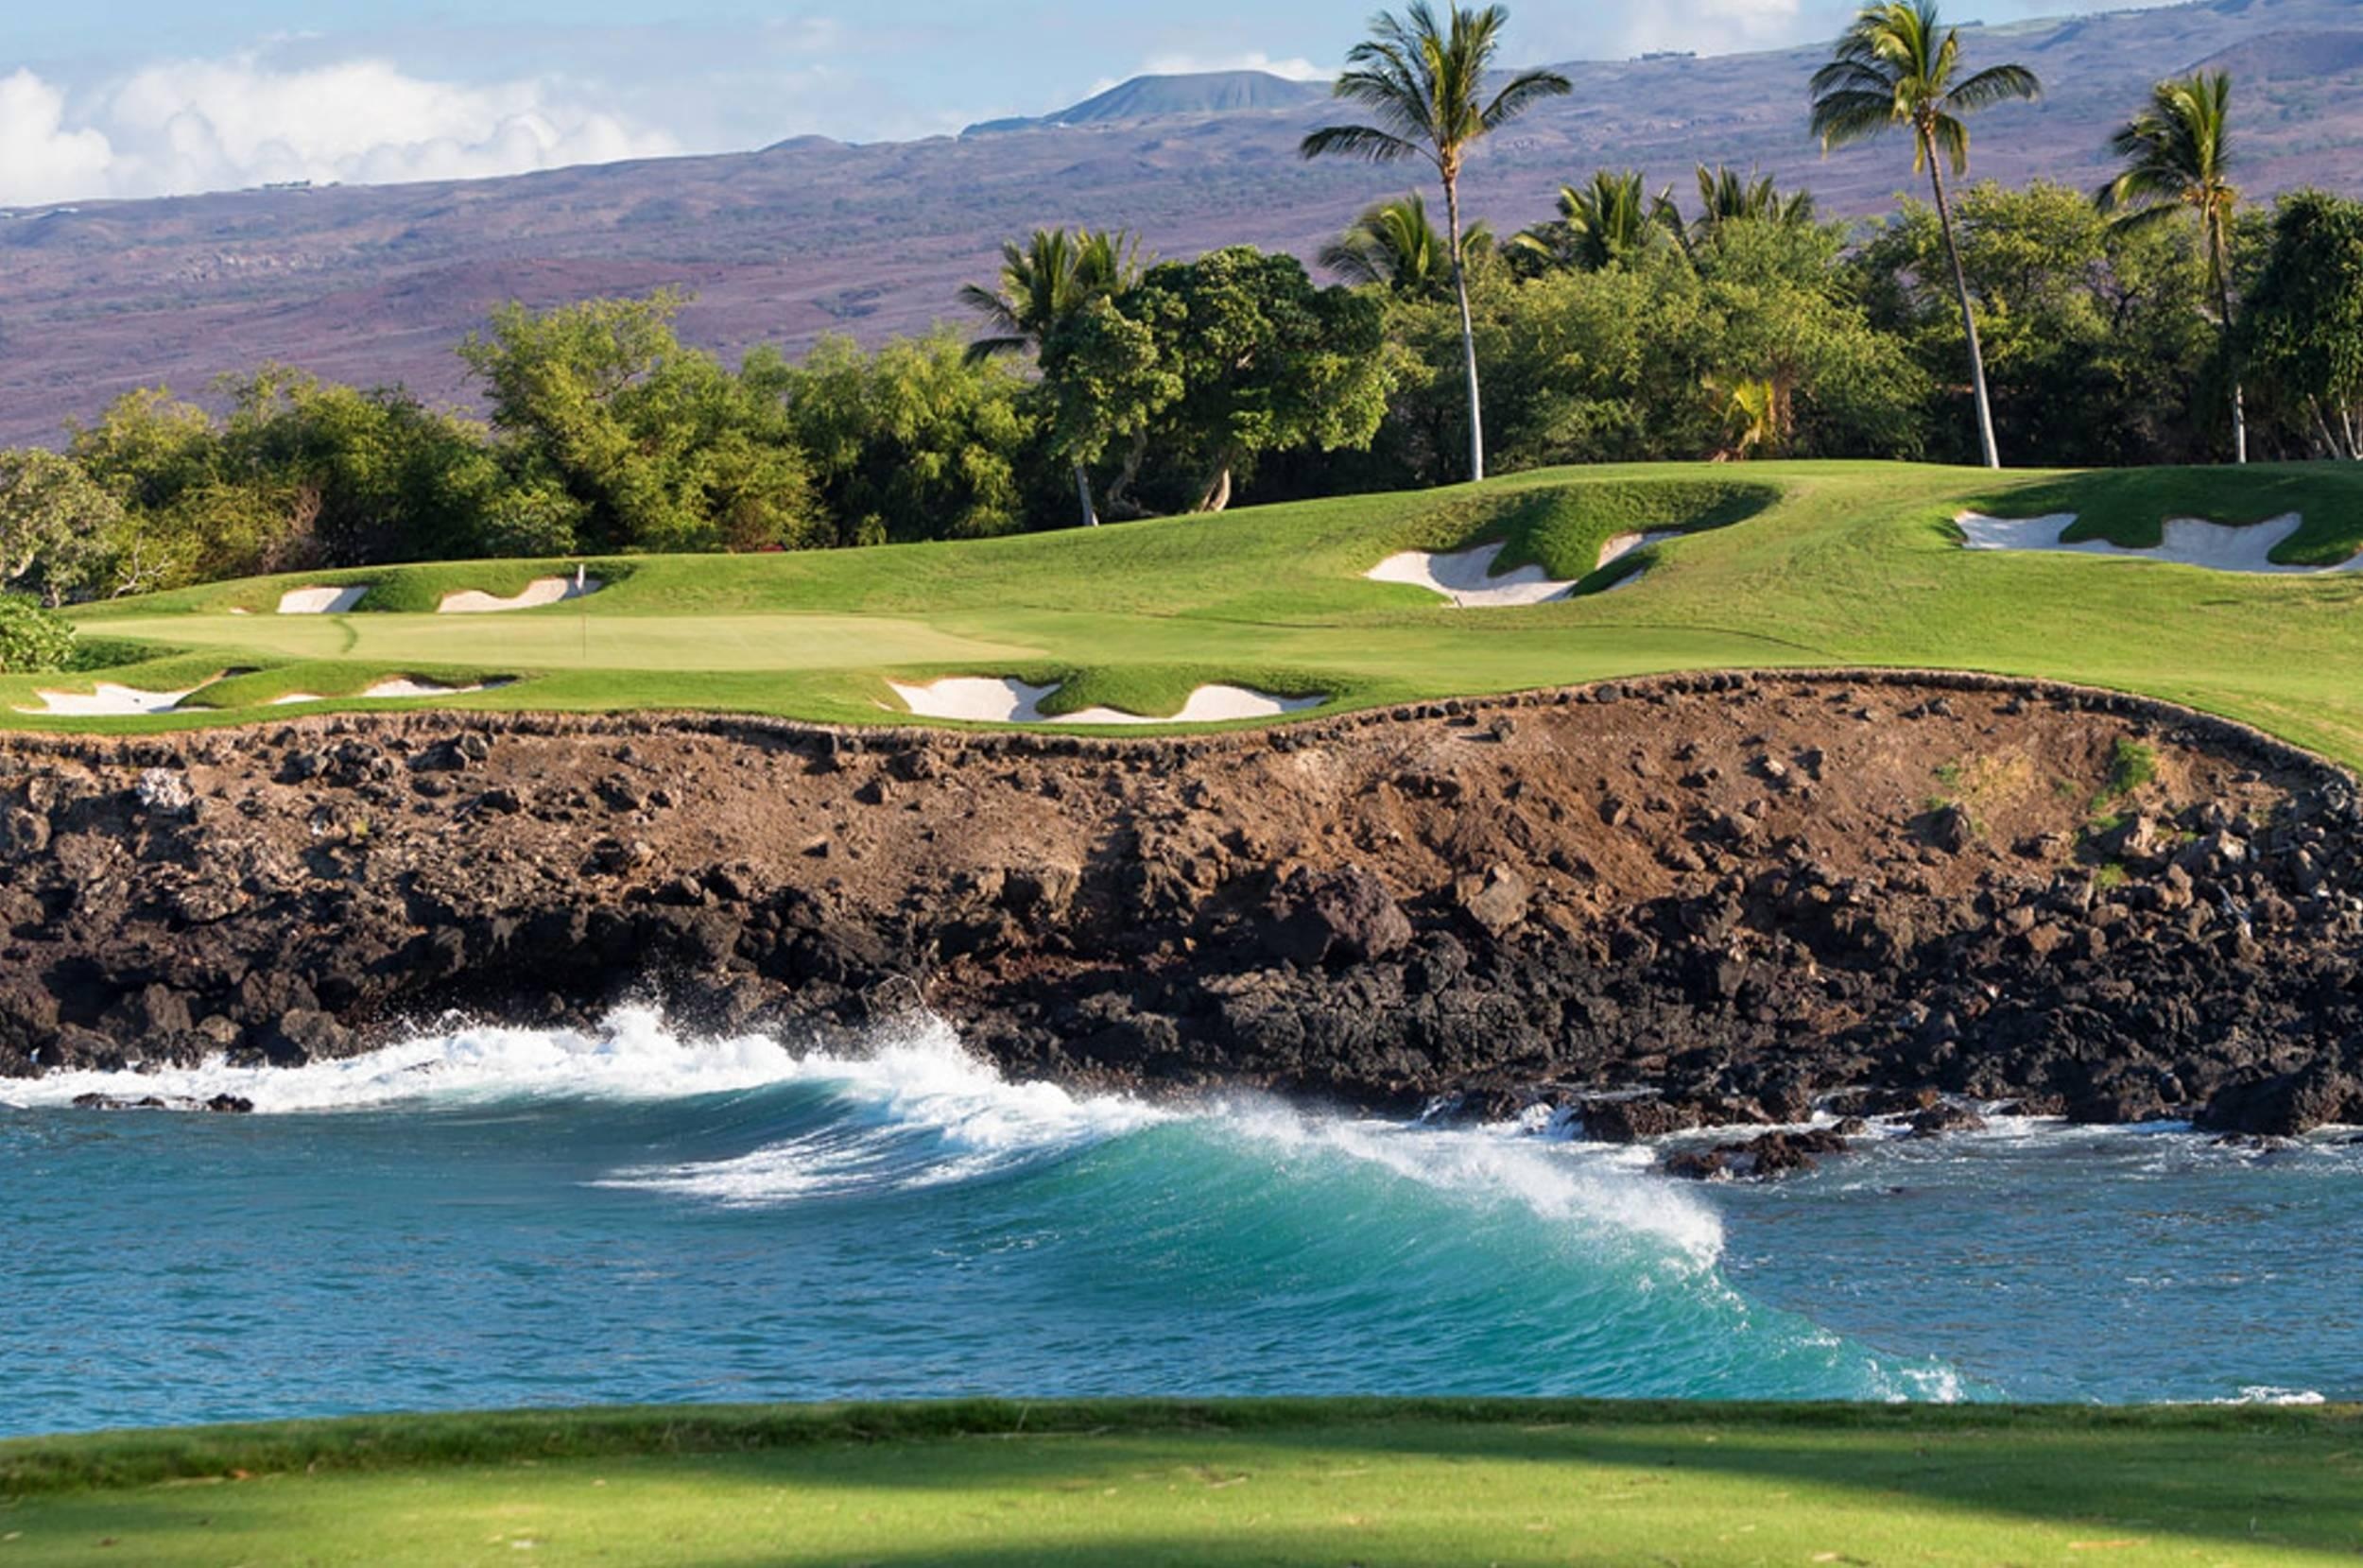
(1522, 94)
(1358, 140)
(1993, 85)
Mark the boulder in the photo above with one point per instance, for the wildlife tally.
(1341, 916)
(2285, 1105)
(1634, 1121)
(1497, 902)
(1939, 1120)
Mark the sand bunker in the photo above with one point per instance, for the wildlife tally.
(407, 686)
(984, 700)
(2189, 542)
(293, 697)
(540, 592)
(321, 601)
(1468, 580)
(109, 701)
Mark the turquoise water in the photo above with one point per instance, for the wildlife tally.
(503, 1218)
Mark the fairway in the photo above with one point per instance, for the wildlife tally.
(1779, 564)
(1368, 1482)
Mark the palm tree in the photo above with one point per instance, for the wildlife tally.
(1601, 223)
(1724, 197)
(2178, 158)
(1425, 81)
(1394, 246)
(1900, 65)
(1045, 283)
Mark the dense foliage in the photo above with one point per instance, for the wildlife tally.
(1627, 329)
(32, 638)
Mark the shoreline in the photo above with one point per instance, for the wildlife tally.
(1739, 893)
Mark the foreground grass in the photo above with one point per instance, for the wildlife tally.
(1267, 1483)
(1786, 565)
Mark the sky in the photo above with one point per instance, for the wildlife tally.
(151, 98)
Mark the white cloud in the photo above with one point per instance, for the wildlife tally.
(213, 125)
(41, 159)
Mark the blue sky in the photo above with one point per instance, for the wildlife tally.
(140, 98)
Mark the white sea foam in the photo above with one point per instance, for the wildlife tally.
(1557, 1181)
(633, 1056)
(926, 1113)
(2273, 1396)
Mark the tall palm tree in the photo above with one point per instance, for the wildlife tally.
(1425, 82)
(2178, 158)
(1900, 65)
(1393, 245)
(1602, 222)
(1045, 283)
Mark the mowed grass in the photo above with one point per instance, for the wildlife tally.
(1788, 565)
(1368, 1482)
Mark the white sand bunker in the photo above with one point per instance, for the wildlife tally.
(540, 592)
(985, 700)
(321, 601)
(409, 686)
(109, 701)
(2187, 541)
(1468, 580)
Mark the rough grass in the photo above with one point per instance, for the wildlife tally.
(1371, 1482)
(1811, 565)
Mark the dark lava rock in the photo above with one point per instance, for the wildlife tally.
(1634, 1121)
(1345, 915)
(2287, 1104)
(1698, 1165)
(1939, 1120)
(220, 1105)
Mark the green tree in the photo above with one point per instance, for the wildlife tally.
(55, 522)
(2178, 159)
(921, 440)
(658, 446)
(1899, 65)
(2076, 315)
(1045, 285)
(2304, 325)
(1601, 223)
(1395, 247)
(1110, 382)
(1425, 81)
(1221, 360)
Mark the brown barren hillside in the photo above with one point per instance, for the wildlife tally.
(809, 236)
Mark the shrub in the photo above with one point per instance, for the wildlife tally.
(32, 639)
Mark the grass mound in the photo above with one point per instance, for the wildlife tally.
(1563, 530)
(2129, 508)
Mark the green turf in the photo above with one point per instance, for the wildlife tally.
(1811, 565)
(1362, 1482)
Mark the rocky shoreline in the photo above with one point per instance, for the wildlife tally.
(1661, 904)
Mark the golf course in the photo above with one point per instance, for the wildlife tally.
(1789, 565)
(1807, 564)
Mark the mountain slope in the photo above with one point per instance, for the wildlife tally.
(811, 235)
(1157, 97)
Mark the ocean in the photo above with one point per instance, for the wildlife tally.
(487, 1217)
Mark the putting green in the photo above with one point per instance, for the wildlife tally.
(1786, 564)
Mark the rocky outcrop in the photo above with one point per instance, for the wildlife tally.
(1656, 905)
